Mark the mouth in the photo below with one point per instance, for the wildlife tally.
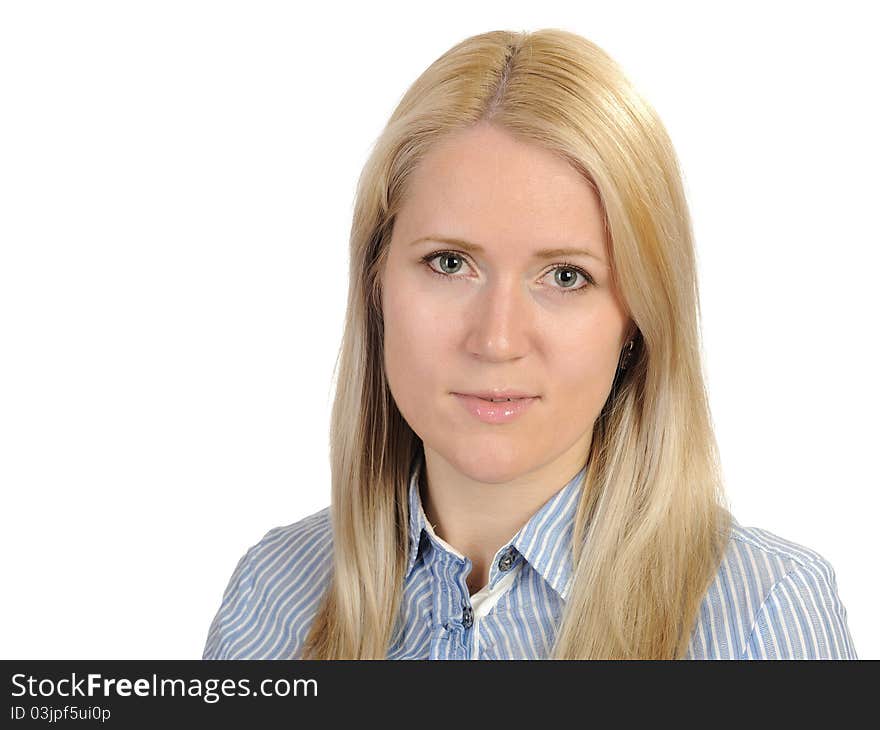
(498, 397)
(493, 410)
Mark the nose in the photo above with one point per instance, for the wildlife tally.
(498, 327)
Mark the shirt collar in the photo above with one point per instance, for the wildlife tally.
(544, 541)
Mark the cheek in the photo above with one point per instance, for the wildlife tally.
(416, 345)
(582, 363)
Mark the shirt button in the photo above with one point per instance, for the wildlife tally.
(506, 561)
(467, 617)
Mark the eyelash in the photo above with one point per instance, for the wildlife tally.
(561, 265)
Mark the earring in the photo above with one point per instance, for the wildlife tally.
(627, 351)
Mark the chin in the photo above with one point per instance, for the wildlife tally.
(490, 467)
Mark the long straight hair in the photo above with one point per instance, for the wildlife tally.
(652, 521)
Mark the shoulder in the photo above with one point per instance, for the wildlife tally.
(274, 592)
(772, 598)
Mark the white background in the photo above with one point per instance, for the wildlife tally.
(176, 190)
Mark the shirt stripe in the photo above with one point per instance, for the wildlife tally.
(771, 598)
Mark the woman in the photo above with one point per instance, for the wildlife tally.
(521, 232)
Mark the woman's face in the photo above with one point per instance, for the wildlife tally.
(500, 316)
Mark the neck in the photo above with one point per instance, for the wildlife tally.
(477, 518)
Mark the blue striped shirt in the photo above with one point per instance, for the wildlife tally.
(771, 598)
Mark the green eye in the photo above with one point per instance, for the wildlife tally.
(564, 282)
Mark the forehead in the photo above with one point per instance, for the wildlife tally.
(484, 184)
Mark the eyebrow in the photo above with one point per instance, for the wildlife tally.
(544, 253)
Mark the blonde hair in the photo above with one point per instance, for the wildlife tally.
(652, 523)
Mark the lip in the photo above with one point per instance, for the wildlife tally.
(495, 413)
(499, 393)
